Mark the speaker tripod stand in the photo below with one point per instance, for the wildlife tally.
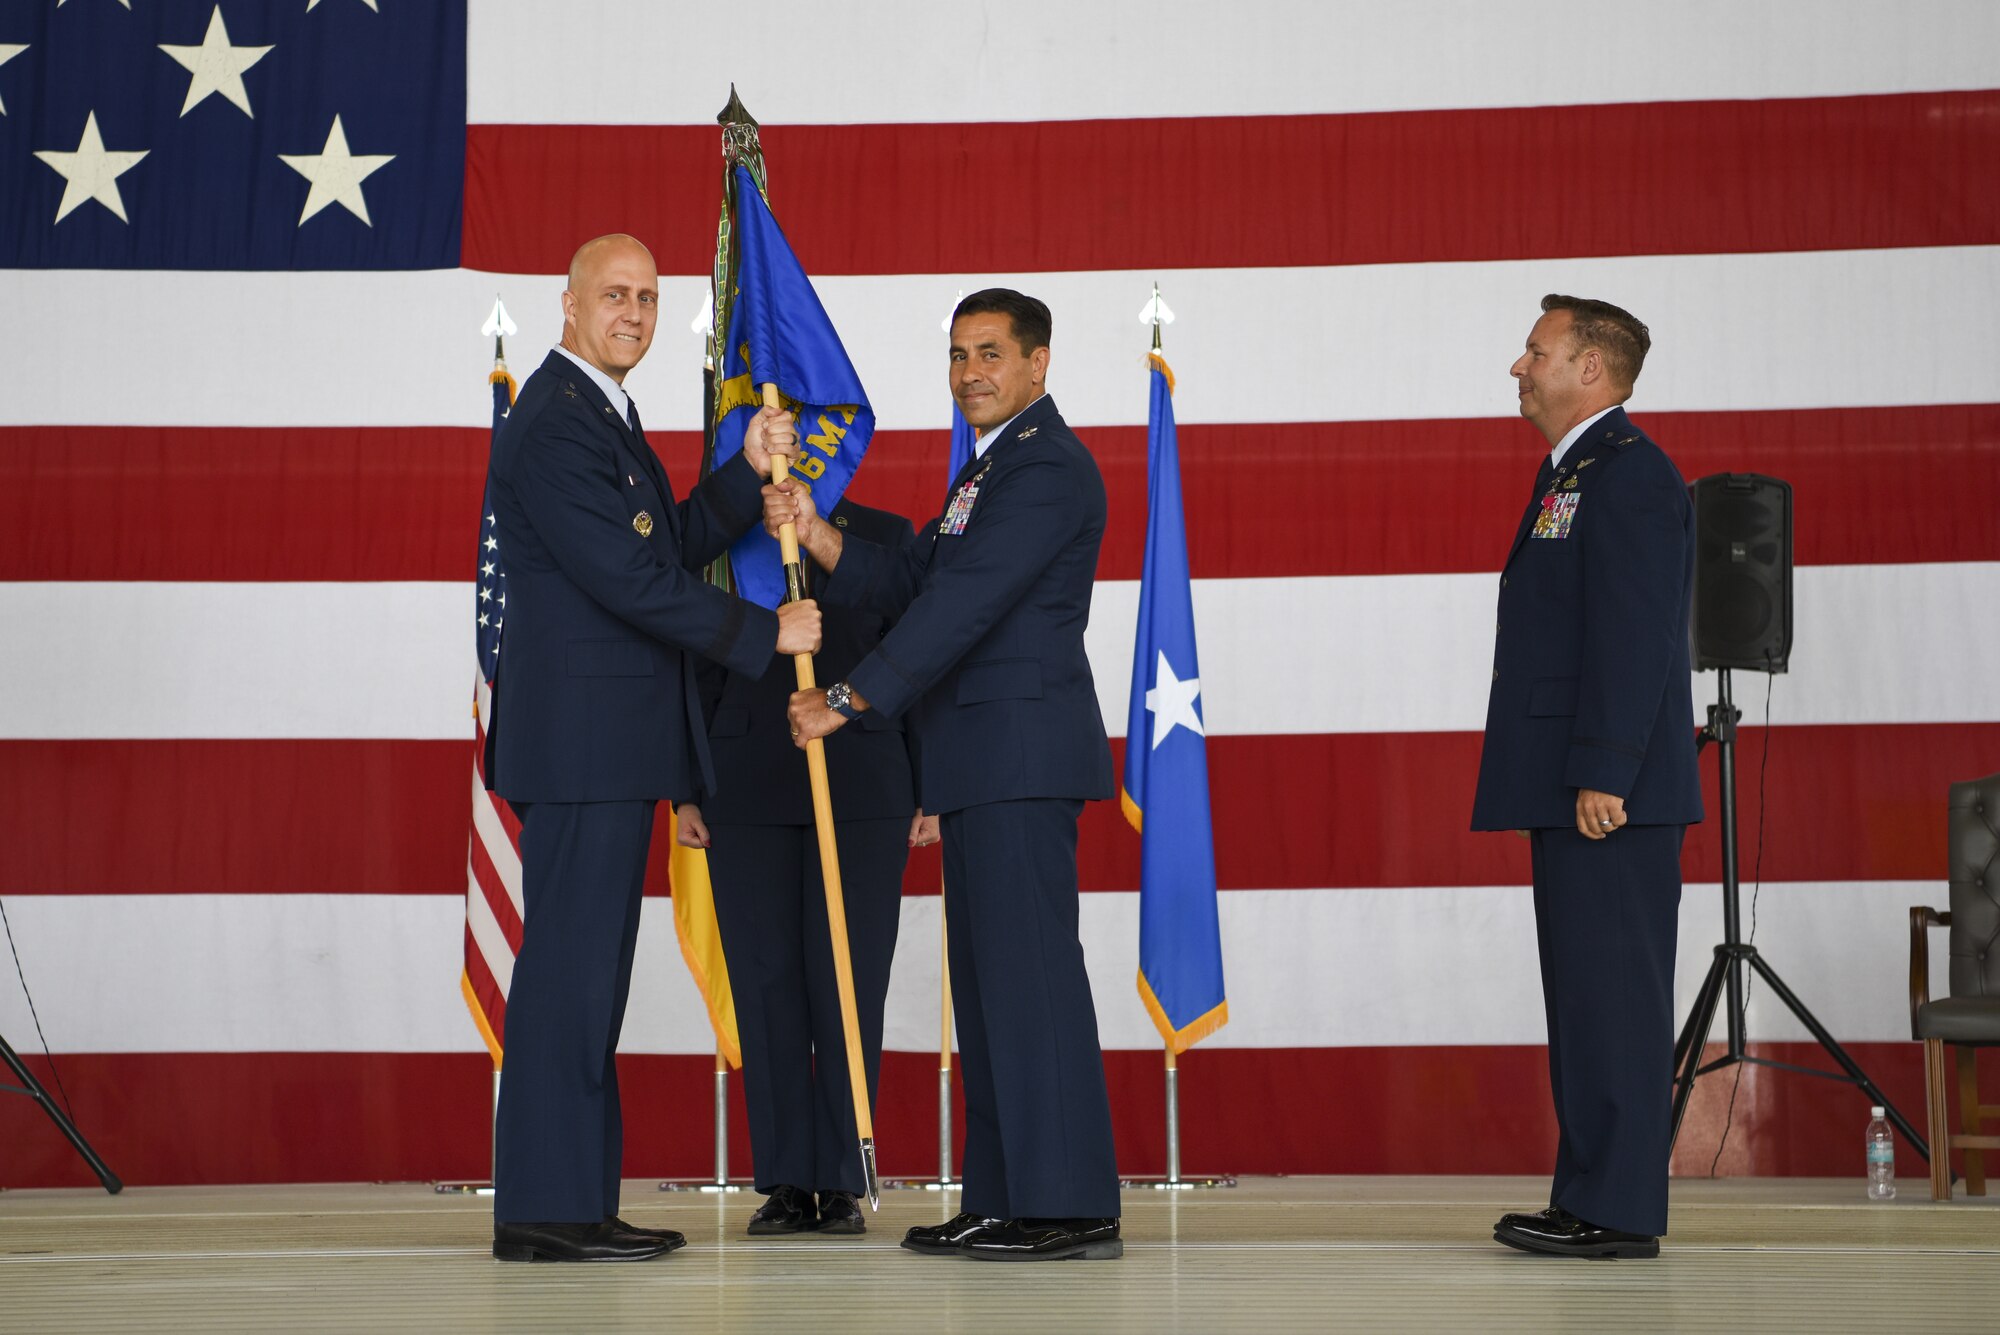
(1733, 955)
(34, 1089)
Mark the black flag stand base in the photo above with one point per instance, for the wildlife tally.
(33, 1089)
(1733, 956)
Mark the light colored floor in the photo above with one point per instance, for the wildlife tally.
(1273, 1254)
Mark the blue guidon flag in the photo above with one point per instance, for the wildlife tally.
(247, 137)
(1165, 794)
(780, 334)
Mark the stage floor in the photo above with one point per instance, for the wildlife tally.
(1376, 1253)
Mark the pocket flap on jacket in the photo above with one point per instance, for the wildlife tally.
(1552, 696)
(610, 658)
(1000, 679)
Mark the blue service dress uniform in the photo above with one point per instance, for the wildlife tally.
(770, 902)
(1591, 689)
(595, 720)
(986, 664)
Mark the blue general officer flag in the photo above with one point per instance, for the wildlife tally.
(232, 137)
(780, 334)
(1166, 766)
(963, 438)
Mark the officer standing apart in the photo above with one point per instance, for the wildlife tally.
(770, 902)
(1590, 752)
(595, 720)
(987, 662)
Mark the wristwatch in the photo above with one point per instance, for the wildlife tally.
(840, 699)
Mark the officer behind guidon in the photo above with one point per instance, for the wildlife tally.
(1590, 752)
(763, 856)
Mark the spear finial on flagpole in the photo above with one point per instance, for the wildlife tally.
(1156, 313)
(499, 325)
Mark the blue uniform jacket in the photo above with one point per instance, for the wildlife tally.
(986, 657)
(760, 773)
(1590, 662)
(595, 697)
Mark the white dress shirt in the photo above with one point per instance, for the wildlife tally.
(1575, 434)
(612, 389)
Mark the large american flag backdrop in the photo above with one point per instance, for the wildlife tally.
(245, 420)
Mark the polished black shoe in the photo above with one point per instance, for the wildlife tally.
(786, 1210)
(840, 1212)
(1557, 1232)
(1525, 1220)
(945, 1239)
(675, 1241)
(1046, 1240)
(602, 1241)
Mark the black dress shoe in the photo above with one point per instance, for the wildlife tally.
(840, 1212)
(602, 1241)
(1046, 1240)
(1557, 1232)
(674, 1240)
(1526, 1220)
(786, 1210)
(945, 1239)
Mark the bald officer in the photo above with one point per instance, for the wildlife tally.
(595, 720)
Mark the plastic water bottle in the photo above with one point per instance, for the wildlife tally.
(1881, 1157)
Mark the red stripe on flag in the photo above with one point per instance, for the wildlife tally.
(1850, 803)
(1824, 173)
(486, 988)
(494, 890)
(413, 1117)
(112, 503)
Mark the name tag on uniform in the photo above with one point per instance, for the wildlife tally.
(960, 510)
(1558, 513)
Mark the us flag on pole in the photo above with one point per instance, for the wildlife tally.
(493, 856)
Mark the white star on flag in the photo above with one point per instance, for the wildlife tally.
(311, 5)
(1171, 703)
(91, 172)
(336, 174)
(217, 66)
(8, 51)
(126, 3)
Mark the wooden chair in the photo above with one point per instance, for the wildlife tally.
(1969, 1018)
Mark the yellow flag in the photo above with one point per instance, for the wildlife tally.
(701, 943)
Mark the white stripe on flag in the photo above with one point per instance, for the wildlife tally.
(1359, 343)
(380, 660)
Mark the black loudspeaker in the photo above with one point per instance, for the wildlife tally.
(1742, 614)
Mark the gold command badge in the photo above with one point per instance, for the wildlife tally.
(644, 523)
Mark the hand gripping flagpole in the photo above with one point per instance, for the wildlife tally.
(829, 854)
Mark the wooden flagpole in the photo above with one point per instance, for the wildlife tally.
(829, 854)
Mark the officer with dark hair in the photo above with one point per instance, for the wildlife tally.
(986, 664)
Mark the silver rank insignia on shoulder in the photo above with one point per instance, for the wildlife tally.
(569, 390)
(643, 522)
(1628, 440)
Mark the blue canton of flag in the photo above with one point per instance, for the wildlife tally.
(328, 135)
(780, 334)
(491, 604)
(1166, 766)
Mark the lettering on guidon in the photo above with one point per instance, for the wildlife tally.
(826, 441)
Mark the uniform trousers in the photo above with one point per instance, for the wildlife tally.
(1037, 1115)
(771, 906)
(1607, 915)
(559, 1138)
